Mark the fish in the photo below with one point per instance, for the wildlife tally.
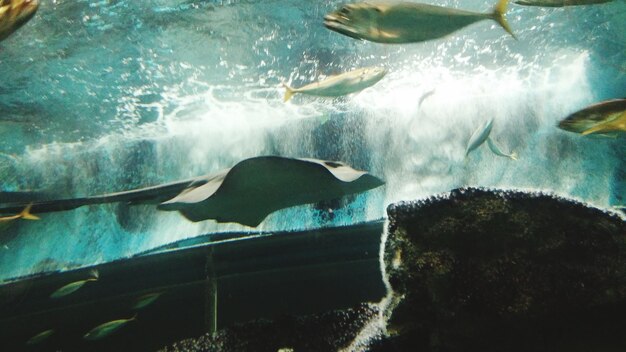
(254, 188)
(146, 300)
(494, 149)
(406, 22)
(74, 286)
(25, 214)
(245, 193)
(424, 96)
(14, 14)
(103, 330)
(342, 84)
(479, 136)
(559, 3)
(40, 337)
(602, 118)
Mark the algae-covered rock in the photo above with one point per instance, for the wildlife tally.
(330, 331)
(508, 271)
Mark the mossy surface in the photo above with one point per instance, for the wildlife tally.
(330, 331)
(494, 270)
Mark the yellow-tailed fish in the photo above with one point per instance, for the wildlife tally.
(25, 214)
(342, 84)
(604, 117)
(406, 22)
(74, 286)
(42, 336)
(14, 14)
(103, 330)
(146, 300)
(559, 3)
(496, 150)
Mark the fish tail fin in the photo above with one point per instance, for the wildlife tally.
(134, 317)
(26, 215)
(513, 155)
(498, 16)
(288, 93)
(95, 274)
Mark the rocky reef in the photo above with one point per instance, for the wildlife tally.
(330, 331)
(504, 271)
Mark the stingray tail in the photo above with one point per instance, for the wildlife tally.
(498, 16)
(289, 92)
(26, 215)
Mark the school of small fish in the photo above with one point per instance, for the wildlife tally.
(386, 22)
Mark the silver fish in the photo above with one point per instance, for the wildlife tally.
(146, 300)
(479, 136)
(559, 3)
(342, 84)
(14, 14)
(406, 22)
(103, 330)
(424, 96)
(40, 337)
(74, 286)
(496, 150)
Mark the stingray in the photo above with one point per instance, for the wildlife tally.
(246, 193)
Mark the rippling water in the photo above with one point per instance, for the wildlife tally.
(111, 95)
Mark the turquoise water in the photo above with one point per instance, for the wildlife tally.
(106, 96)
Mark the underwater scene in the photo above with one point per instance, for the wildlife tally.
(312, 175)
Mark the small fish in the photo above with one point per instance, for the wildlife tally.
(479, 136)
(604, 117)
(25, 214)
(494, 149)
(406, 22)
(146, 300)
(424, 96)
(342, 84)
(40, 337)
(559, 3)
(74, 286)
(103, 330)
(14, 14)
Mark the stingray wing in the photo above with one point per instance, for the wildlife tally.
(256, 187)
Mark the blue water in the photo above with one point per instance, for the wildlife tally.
(107, 96)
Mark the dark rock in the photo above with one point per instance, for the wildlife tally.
(504, 271)
(329, 331)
